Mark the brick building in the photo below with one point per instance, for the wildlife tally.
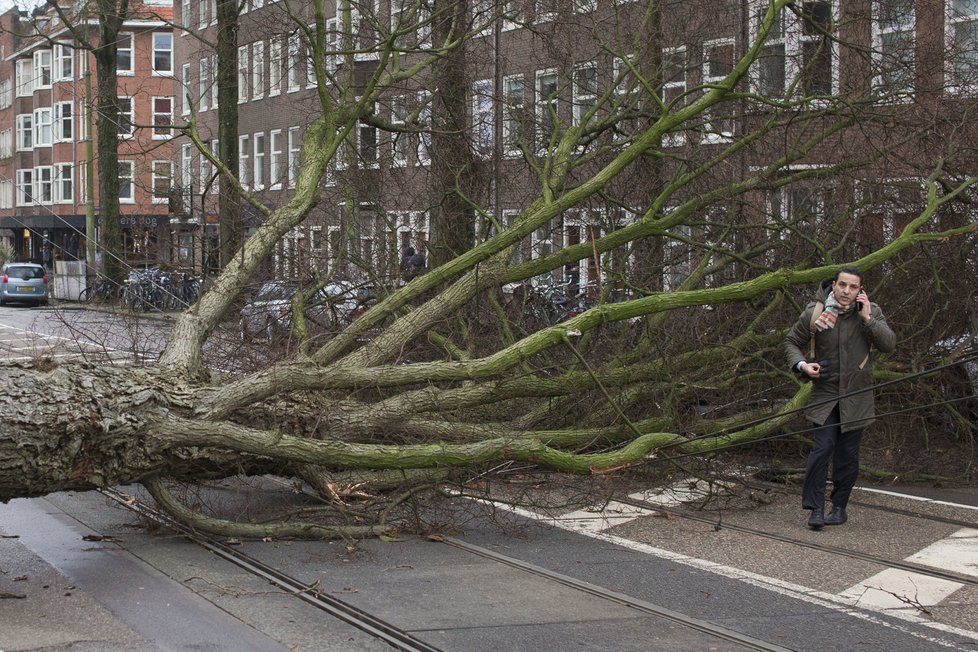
(44, 126)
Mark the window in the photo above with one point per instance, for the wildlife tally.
(962, 43)
(546, 10)
(64, 188)
(424, 136)
(275, 158)
(585, 6)
(677, 259)
(64, 60)
(799, 46)
(274, 66)
(185, 15)
(214, 81)
(674, 87)
(6, 143)
(43, 132)
(816, 47)
(65, 129)
(244, 73)
(585, 90)
(24, 73)
(331, 45)
(42, 69)
(126, 182)
(162, 117)
(44, 184)
(186, 173)
(367, 141)
(258, 70)
(894, 25)
(258, 178)
(25, 132)
(547, 107)
(204, 83)
(718, 61)
(7, 193)
(399, 138)
(295, 72)
(124, 59)
(127, 117)
(162, 53)
(295, 145)
(6, 93)
(25, 187)
(512, 114)
(244, 160)
(82, 121)
(162, 181)
(185, 80)
(483, 118)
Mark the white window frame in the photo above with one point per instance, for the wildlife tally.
(881, 57)
(294, 157)
(513, 106)
(64, 183)
(162, 72)
(64, 62)
(214, 97)
(258, 70)
(186, 173)
(203, 84)
(156, 177)
(127, 170)
(399, 139)
(24, 125)
(423, 151)
(483, 117)
(185, 93)
(162, 130)
(65, 122)
(545, 11)
(24, 74)
(24, 187)
(258, 160)
(545, 108)
(244, 73)
(274, 67)
(583, 99)
(952, 20)
(722, 132)
(293, 72)
(127, 117)
(43, 127)
(275, 159)
(44, 185)
(244, 160)
(673, 88)
(363, 129)
(43, 69)
(126, 43)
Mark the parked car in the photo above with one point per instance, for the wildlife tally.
(23, 283)
(270, 311)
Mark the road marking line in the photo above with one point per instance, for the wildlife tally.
(917, 498)
(897, 589)
(957, 553)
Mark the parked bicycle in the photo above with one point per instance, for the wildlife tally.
(101, 290)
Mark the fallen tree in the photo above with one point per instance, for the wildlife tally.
(483, 385)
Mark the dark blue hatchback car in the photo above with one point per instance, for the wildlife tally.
(23, 283)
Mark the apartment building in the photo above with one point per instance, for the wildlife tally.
(533, 69)
(45, 111)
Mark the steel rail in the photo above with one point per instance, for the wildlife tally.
(845, 552)
(394, 636)
(619, 598)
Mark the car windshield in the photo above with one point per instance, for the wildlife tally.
(25, 273)
(274, 292)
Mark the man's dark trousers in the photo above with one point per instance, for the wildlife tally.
(843, 449)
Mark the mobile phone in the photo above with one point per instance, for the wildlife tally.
(859, 303)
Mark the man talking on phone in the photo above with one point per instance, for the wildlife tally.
(831, 344)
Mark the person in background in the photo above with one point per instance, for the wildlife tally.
(838, 331)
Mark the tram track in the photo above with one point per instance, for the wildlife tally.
(812, 545)
(400, 639)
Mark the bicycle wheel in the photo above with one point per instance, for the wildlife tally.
(86, 294)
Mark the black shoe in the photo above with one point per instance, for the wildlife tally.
(837, 516)
(816, 520)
